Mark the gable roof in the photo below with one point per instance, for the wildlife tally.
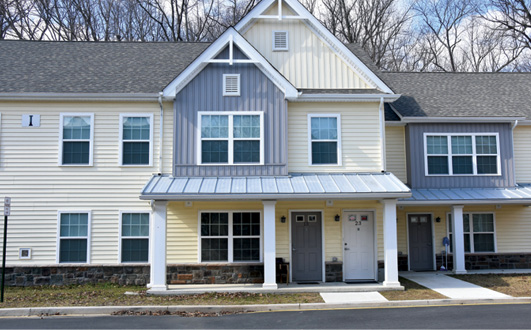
(92, 67)
(229, 38)
(326, 37)
(475, 95)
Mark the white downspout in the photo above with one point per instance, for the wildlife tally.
(514, 160)
(382, 133)
(161, 131)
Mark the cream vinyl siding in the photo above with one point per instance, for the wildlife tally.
(39, 187)
(183, 239)
(522, 153)
(308, 62)
(360, 137)
(395, 148)
(513, 227)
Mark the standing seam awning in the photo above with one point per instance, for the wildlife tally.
(293, 186)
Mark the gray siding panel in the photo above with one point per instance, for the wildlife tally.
(204, 93)
(415, 154)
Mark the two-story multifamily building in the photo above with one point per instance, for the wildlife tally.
(174, 163)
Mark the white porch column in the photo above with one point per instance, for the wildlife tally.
(390, 243)
(458, 240)
(270, 278)
(157, 247)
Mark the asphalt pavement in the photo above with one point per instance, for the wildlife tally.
(496, 316)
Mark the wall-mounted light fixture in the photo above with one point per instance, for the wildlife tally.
(283, 219)
(337, 218)
(438, 219)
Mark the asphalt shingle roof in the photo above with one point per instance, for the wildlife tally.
(438, 94)
(92, 67)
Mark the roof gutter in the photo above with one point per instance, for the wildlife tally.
(347, 97)
(118, 97)
(526, 201)
(460, 119)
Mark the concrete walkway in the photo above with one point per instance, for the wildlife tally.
(452, 287)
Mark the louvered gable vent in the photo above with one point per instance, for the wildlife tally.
(231, 84)
(280, 40)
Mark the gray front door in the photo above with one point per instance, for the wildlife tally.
(420, 242)
(306, 247)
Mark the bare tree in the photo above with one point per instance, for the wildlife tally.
(373, 24)
(513, 17)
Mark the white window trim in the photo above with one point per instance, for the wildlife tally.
(230, 237)
(91, 141)
(471, 233)
(20, 253)
(279, 49)
(232, 75)
(339, 146)
(121, 155)
(230, 138)
(120, 237)
(473, 155)
(88, 237)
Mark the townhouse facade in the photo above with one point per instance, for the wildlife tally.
(162, 164)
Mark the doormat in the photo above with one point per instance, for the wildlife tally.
(307, 282)
(360, 281)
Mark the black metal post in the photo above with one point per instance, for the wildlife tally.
(4, 260)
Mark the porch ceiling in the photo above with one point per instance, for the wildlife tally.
(293, 186)
(520, 194)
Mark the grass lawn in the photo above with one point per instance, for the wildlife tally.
(113, 295)
(412, 291)
(516, 285)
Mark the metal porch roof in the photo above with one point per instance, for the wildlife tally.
(293, 186)
(517, 195)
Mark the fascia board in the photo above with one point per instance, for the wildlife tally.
(461, 119)
(347, 97)
(200, 63)
(309, 196)
(525, 201)
(79, 96)
(326, 36)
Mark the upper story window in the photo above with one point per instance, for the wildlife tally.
(136, 139)
(231, 85)
(462, 154)
(324, 139)
(76, 135)
(280, 40)
(234, 138)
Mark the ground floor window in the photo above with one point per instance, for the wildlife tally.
(135, 237)
(479, 232)
(230, 236)
(74, 230)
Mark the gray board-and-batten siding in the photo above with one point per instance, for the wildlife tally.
(416, 158)
(205, 93)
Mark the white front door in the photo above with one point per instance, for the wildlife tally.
(358, 244)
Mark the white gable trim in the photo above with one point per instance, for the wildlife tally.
(328, 38)
(208, 56)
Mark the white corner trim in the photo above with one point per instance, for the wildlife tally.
(231, 35)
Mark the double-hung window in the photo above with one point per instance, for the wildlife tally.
(135, 237)
(235, 138)
(76, 139)
(462, 154)
(230, 236)
(74, 233)
(137, 139)
(478, 230)
(324, 139)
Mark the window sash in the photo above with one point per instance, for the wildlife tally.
(136, 140)
(73, 237)
(471, 236)
(240, 239)
(134, 232)
(234, 136)
(461, 154)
